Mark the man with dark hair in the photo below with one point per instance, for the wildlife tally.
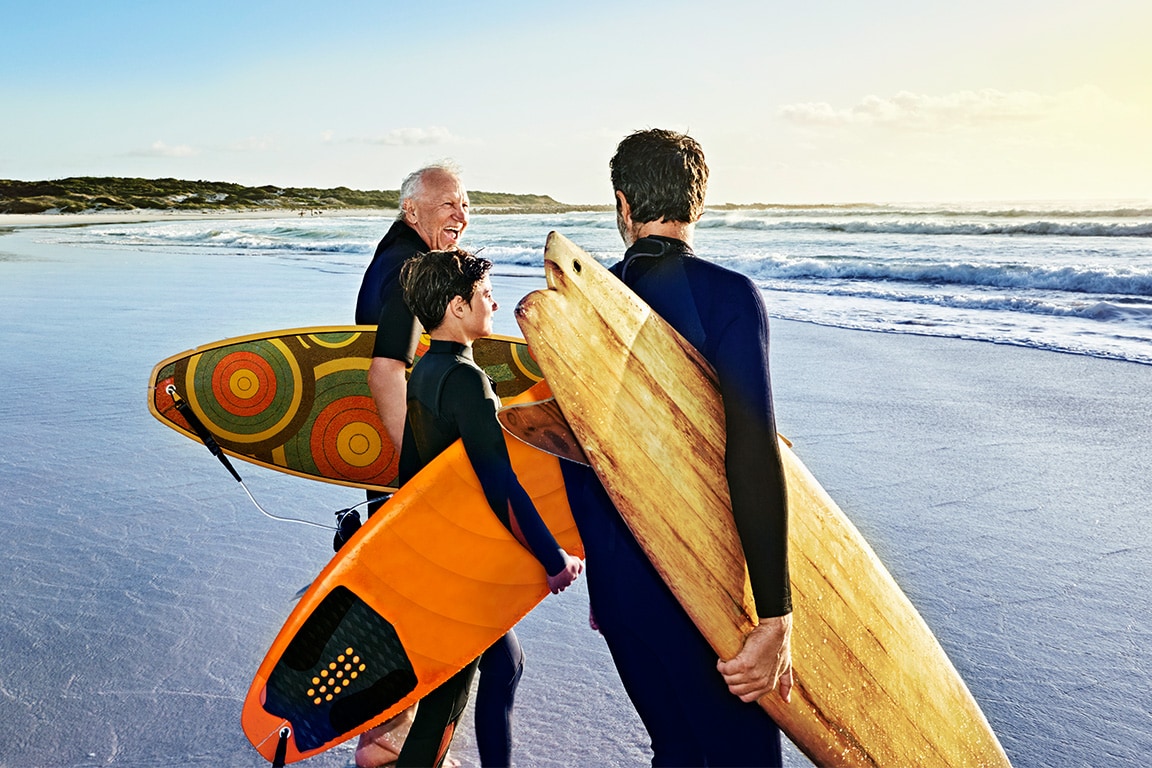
(698, 711)
(450, 398)
(663, 176)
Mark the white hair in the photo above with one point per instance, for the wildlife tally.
(413, 184)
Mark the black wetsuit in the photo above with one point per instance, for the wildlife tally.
(450, 397)
(380, 287)
(667, 668)
(380, 302)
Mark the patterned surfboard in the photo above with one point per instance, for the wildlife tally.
(297, 401)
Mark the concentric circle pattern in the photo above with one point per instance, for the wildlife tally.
(525, 362)
(244, 384)
(247, 392)
(344, 436)
(346, 440)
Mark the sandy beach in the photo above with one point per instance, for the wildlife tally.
(1005, 489)
(40, 220)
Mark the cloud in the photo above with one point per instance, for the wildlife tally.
(160, 149)
(963, 109)
(411, 137)
(253, 144)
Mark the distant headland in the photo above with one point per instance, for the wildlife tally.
(90, 194)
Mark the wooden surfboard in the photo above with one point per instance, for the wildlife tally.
(297, 401)
(425, 586)
(873, 686)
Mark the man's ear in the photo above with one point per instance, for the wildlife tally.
(409, 211)
(623, 207)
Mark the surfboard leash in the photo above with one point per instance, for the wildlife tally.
(282, 748)
(343, 517)
(201, 430)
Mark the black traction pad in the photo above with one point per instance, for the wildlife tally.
(344, 667)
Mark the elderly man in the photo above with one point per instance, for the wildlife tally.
(698, 711)
(433, 217)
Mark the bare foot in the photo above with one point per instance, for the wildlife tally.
(380, 746)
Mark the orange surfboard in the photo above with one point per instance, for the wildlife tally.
(425, 586)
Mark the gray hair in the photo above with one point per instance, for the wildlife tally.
(413, 184)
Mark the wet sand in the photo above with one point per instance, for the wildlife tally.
(1005, 489)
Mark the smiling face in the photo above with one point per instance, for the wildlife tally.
(439, 212)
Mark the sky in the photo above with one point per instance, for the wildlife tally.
(813, 102)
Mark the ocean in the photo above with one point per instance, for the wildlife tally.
(1060, 277)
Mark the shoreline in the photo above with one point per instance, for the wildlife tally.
(10, 221)
(13, 221)
(26, 222)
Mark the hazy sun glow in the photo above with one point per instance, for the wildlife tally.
(829, 102)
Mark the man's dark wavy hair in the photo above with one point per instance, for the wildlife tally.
(431, 280)
(663, 175)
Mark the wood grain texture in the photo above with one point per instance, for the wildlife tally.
(874, 687)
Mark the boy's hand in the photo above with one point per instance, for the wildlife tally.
(574, 566)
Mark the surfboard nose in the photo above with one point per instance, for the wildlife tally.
(554, 275)
(558, 262)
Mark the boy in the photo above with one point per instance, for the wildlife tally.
(450, 397)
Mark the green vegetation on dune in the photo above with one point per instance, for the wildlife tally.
(87, 194)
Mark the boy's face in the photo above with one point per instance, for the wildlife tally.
(478, 316)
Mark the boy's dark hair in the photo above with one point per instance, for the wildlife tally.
(662, 174)
(431, 280)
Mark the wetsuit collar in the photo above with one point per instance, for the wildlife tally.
(401, 231)
(653, 245)
(658, 245)
(445, 347)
